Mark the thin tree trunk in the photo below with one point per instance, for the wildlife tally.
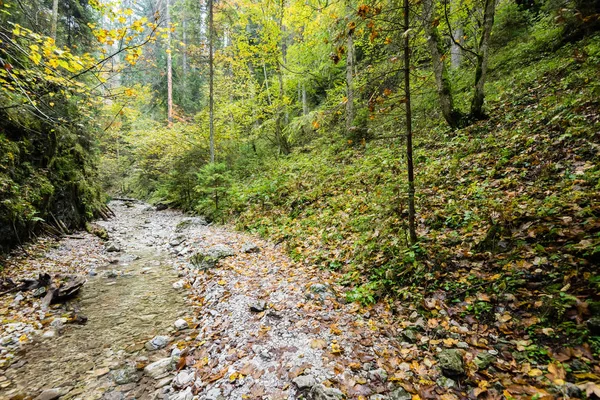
(284, 146)
(211, 74)
(184, 53)
(304, 101)
(452, 116)
(54, 26)
(455, 50)
(482, 60)
(169, 68)
(350, 82)
(409, 150)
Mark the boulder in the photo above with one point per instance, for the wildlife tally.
(112, 247)
(209, 258)
(451, 362)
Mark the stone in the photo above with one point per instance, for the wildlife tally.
(573, 390)
(321, 392)
(163, 382)
(462, 345)
(319, 288)
(18, 298)
(179, 284)
(183, 378)
(49, 334)
(304, 382)
(213, 394)
(176, 240)
(451, 362)
(250, 247)
(483, 360)
(158, 368)
(114, 395)
(210, 257)
(409, 335)
(112, 247)
(125, 375)
(400, 394)
(258, 306)
(379, 374)
(50, 394)
(593, 325)
(185, 395)
(157, 342)
(181, 324)
(446, 383)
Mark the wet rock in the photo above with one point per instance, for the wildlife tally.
(125, 375)
(112, 247)
(250, 247)
(163, 382)
(181, 324)
(179, 284)
(158, 368)
(451, 362)
(50, 394)
(400, 394)
(161, 207)
(157, 342)
(304, 382)
(484, 359)
(258, 306)
(321, 392)
(462, 345)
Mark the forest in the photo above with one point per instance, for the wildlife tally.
(443, 154)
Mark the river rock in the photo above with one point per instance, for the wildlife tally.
(125, 375)
(179, 284)
(258, 306)
(250, 247)
(176, 240)
(209, 258)
(484, 359)
(185, 395)
(50, 394)
(400, 394)
(321, 392)
(157, 342)
(158, 368)
(183, 378)
(304, 382)
(451, 362)
(112, 247)
(181, 324)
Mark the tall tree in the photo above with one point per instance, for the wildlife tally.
(169, 67)
(211, 76)
(54, 26)
(349, 73)
(409, 133)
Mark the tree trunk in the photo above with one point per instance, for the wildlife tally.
(409, 149)
(350, 83)
(304, 101)
(169, 68)
(452, 116)
(284, 146)
(54, 26)
(211, 73)
(482, 60)
(455, 50)
(184, 53)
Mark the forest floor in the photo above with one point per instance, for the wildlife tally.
(178, 309)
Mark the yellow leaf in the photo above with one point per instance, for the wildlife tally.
(221, 282)
(535, 372)
(122, 19)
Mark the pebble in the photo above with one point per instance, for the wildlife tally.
(181, 324)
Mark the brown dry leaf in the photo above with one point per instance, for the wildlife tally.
(335, 330)
(590, 387)
(318, 344)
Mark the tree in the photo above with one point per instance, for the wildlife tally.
(169, 66)
(479, 50)
(211, 75)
